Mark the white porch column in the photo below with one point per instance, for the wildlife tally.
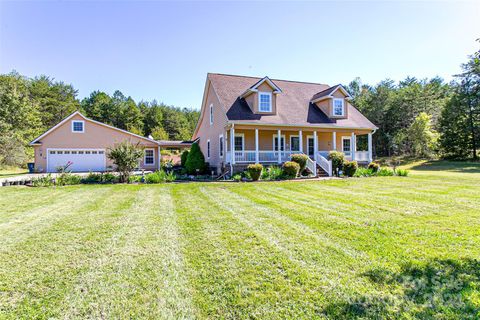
(300, 140)
(315, 145)
(353, 145)
(370, 157)
(256, 146)
(232, 145)
(279, 140)
(334, 140)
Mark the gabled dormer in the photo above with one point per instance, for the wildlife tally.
(333, 101)
(262, 97)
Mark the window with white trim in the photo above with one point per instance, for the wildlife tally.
(338, 107)
(220, 146)
(78, 126)
(265, 101)
(208, 149)
(294, 143)
(239, 142)
(346, 144)
(275, 142)
(211, 114)
(149, 157)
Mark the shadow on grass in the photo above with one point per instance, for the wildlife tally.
(446, 289)
(452, 166)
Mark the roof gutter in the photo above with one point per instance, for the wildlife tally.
(298, 125)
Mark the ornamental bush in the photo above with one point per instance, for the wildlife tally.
(183, 158)
(290, 169)
(125, 156)
(349, 168)
(195, 160)
(374, 166)
(337, 158)
(255, 171)
(301, 159)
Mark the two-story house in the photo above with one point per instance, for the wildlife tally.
(260, 120)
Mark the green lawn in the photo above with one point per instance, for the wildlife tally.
(12, 172)
(385, 247)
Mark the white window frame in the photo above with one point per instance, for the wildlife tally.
(208, 148)
(349, 139)
(259, 101)
(145, 157)
(243, 141)
(343, 107)
(211, 114)
(295, 136)
(221, 146)
(78, 121)
(284, 142)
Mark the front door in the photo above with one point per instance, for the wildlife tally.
(311, 147)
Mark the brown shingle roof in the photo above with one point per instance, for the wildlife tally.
(293, 104)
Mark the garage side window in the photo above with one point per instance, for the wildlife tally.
(78, 126)
(149, 158)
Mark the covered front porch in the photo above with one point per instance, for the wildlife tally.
(275, 145)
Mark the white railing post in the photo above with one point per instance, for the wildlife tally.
(300, 140)
(279, 139)
(256, 146)
(315, 144)
(370, 157)
(232, 144)
(334, 140)
(353, 146)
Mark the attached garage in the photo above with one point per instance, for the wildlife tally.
(82, 160)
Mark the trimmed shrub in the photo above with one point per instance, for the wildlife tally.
(374, 166)
(160, 177)
(66, 179)
(134, 179)
(195, 160)
(385, 172)
(255, 171)
(183, 158)
(364, 172)
(93, 178)
(272, 173)
(237, 177)
(109, 178)
(401, 172)
(301, 159)
(338, 159)
(349, 168)
(290, 169)
(46, 181)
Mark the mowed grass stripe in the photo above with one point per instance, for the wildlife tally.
(40, 271)
(235, 272)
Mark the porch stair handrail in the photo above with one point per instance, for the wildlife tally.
(324, 163)
(312, 166)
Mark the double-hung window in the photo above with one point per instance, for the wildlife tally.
(265, 102)
(78, 126)
(149, 157)
(294, 143)
(338, 107)
(220, 146)
(238, 143)
(211, 114)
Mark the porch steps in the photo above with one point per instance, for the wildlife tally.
(321, 172)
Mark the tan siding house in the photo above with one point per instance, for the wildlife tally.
(84, 143)
(261, 120)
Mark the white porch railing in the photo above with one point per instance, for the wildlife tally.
(312, 166)
(248, 156)
(325, 164)
(362, 156)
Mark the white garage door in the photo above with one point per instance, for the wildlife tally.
(83, 160)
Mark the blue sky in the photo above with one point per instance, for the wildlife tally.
(163, 50)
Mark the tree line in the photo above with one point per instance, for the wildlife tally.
(424, 118)
(30, 106)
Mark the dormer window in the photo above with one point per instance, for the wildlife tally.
(265, 101)
(78, 126)
(338, 107)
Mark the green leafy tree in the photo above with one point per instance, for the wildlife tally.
(420, 139)
(195, 160)
(97, 106)
(159, 134)
(460, 121)
(125, 156)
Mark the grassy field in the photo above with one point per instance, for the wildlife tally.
(385, 247)
(12, 172)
